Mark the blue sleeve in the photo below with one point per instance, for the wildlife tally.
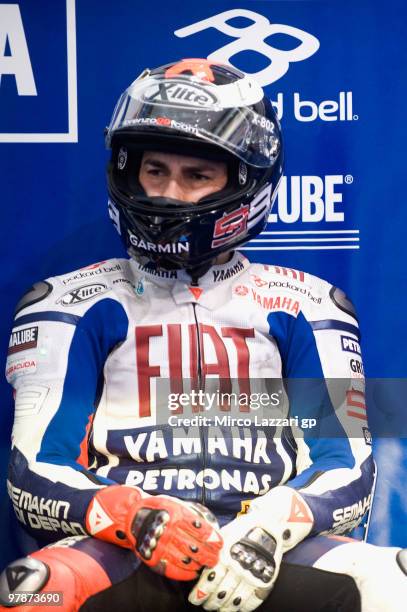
(51, 487)
(334, 471)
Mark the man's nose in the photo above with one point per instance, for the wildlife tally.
(172, 189)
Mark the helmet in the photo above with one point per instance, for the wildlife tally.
(201, 109)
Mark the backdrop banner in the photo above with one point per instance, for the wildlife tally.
(332, 70)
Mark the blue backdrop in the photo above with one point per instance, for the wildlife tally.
(333, 69)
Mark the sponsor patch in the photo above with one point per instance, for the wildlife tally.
(230, 226)
(355, 401)
(259, 282)
(43, 513)
(150, 268)
(29, 400)
(350, 345)
(121, 281)
(82, 294)
(196, 292)
(224, 274)
(139, 288)
(357, 367)
(89, 271)
(244, 506)
(22, 366)
(182, 246)
(98, 519)
(277, 303)
(164, 121)
(22, 340)
(299, 289)
(299, 511)
(349, 516)
(241, 290)
(178, 92)
(294, 274)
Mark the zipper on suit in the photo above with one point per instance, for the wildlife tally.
(201, 431)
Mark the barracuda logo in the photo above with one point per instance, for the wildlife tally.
(166, 247)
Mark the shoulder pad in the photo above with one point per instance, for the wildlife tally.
(402, 560)
(39, 291)
(341, 300)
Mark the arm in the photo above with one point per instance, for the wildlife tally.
(55, 376)
(56, 366)
(324, 378)
(334, 464)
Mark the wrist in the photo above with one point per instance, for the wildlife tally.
(111, 512)
(284, 511)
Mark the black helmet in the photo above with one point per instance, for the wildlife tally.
(203, 109)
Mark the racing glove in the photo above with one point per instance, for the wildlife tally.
(252, 551)
(172, 537)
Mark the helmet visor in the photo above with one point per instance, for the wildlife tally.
(216, 114)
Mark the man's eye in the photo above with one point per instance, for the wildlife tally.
(197, 176)
(154, 171)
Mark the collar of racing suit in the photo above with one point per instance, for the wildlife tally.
(212, 284)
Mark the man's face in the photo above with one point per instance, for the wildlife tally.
(181, 177)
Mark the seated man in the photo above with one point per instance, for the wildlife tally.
(126, 491)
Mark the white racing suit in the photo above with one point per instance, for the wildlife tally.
(99, 359)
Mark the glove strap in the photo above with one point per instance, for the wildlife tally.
(287, 513)
(111, 513)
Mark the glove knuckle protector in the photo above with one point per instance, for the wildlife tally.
(255, 553)
(253, 548)
(172, 537)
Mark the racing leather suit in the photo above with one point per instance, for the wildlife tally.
(94, 356)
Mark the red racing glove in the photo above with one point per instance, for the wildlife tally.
(173, 537)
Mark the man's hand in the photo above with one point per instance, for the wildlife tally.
(174, 538)
(252, 551)
(247, 569)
